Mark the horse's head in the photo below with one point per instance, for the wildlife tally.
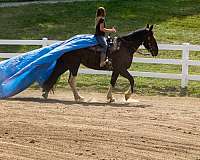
(150, 42)
(141, 36)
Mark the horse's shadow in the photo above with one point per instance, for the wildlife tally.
(84, 103)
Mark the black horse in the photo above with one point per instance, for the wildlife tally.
(121, 55)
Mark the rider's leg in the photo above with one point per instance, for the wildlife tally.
(102, 41)
(102, 59)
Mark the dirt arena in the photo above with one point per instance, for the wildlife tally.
(166, 128)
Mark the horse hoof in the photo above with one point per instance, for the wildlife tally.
(110, 100)
(79, 99)
(127, 96)
(45, 95)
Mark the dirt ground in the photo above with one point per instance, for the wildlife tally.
(60, 129)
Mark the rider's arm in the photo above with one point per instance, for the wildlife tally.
(103, 29)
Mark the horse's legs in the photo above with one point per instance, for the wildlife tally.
(59, 69)
(127, 75)
(114, 77)
(72, 83)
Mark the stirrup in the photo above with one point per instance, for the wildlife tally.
(107, 65)
(103, 64)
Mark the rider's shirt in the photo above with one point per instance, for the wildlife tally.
(98, 31)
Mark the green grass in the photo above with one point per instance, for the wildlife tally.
(176, 21)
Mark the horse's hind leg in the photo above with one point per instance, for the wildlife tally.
(127, 75)
(72, 83)
(59, 69)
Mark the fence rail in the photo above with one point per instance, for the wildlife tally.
(185, 62)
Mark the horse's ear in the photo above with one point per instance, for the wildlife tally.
(151, 28)
(147, 26)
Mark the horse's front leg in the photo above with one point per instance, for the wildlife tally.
(114, 77)
(127, 75)
(72, 83)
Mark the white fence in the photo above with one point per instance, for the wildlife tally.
(185, 62)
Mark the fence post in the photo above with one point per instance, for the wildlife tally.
(44, 42)
(185, 58)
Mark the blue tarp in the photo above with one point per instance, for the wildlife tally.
(18, 73)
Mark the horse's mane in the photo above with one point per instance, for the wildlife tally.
(137, 34)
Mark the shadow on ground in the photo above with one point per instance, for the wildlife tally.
(86, 103)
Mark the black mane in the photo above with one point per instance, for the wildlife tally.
(135, 35)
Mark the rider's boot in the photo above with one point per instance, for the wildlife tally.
(104, 62)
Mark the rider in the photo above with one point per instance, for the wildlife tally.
(100, 33)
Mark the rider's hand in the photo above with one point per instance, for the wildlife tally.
(113, 29)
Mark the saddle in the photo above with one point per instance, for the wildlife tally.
(113, 45)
